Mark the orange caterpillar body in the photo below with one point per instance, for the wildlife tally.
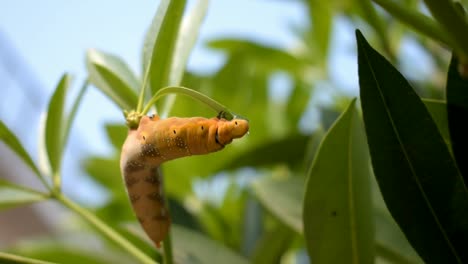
(158, 140)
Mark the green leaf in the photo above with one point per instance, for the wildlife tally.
(283, 198)
(54, 129)
(7, 137)
(186, 39)
(338, 225)
(457, 109)
(12, 195)
(438, 111)
(272, 245)
(117, 134)
(162, 53)
(113, 77)
(418, 178)
(71, 116)
(193, 247)
(8, 258)
(272, 152)
(321, 14)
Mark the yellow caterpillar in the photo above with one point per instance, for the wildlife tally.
(158, 140)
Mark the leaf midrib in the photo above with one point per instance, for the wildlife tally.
(413, 172)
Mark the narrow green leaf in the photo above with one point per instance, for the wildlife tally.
(338, 225)
(321, 14)
(116, 134)
(418, 178)
(163, 50)
(113, 77)
(7, 137)
(186, 39)
(71, 116)
(193, 247)
(457, 109)
(8, 258)
(283, 198)
(12, 195)
(55, 126)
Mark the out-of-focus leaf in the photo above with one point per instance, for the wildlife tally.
(283, 198)
(338, 224)
(267, 59)
(8, 258)
(457, 109)
(12, 195)
(438, 111)
(418, 178)
(321, 14)
(71, 116)
(113, 77)
(106, 172)
(117, 133)
(7, 137)
(272, 245)
(193, 247)
(71, 253)
(288, 150)
(162, 52)
(186, 39)
(55, 125)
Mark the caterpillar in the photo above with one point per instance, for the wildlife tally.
(159, 140)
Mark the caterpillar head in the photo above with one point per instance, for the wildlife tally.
(209, 135)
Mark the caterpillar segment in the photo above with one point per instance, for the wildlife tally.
(158, 140)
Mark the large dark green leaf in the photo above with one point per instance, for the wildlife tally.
(417, 176)
(438, 111)
(457, 109)
(7, 137)
(338, 224)
(113, 77)
(55, 125)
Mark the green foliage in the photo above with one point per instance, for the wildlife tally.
(407, 168)
(281, 192)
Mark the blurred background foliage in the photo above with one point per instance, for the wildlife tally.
(249, 196)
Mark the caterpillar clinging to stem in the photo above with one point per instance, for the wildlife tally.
(155, 141)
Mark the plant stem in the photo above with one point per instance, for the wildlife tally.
(104, 229)
(141, 97)
(191, 93)
(19, 259)
(167, 247)
(418, 21)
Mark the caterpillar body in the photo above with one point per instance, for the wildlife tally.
(158, 140)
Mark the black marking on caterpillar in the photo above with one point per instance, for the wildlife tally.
(149, 150)
(156, 196)
(133, 166)
(153, 179)
(134, 198)
(130, 180)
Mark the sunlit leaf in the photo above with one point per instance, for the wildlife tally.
(55, 125)
(7, 137)
(116, 134)
(418, 178)
(457, 109)
(338, 224)
(164, 39)
(12, 195)
(113, 77)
